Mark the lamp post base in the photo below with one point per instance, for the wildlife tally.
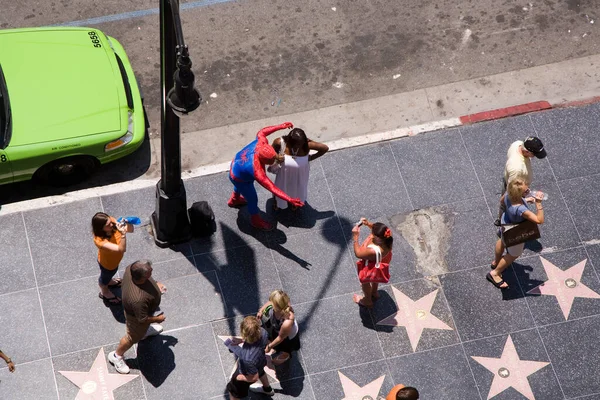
(170, 220)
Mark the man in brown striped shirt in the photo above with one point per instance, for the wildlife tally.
(141, 298)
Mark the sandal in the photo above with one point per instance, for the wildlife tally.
(117, 282)
(492, 266)
(490, 278)
(359, 300)
(111, 300)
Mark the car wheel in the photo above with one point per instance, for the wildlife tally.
(66, 171)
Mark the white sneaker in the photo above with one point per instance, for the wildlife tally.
(257, 387)
(118, 362)
(153, 330)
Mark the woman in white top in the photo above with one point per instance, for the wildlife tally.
(292, 176)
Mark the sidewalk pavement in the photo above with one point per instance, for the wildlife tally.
(439, 325)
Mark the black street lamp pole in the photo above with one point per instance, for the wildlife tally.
(170, 221)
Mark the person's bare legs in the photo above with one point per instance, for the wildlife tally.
(501, 263)
(124, 344)
(106, 293)
(366, 299)
(374, 288)
(264, 380)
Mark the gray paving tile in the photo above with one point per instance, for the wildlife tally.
(83, 361)
(573, 360)
(437, 374)
(582, 196)
(181, 365)
(331, 333)
(291, 376)
(472, 236)
(17, 270)
(77, 319)
(436, 168)
(395, 340)
(140, 203)
(61, 241)
(18, 385)
(247, 276)
(545, 308)
(330, 271)
(594, 252)
(481, 310)
(364, 182)
(21, 323)
(233, 225)
(328, 385)
(171, 269)
(487, 144)
(192, 299)
(568, 134)
(529, 347)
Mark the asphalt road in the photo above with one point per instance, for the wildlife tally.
(273, 57)
(261, 58)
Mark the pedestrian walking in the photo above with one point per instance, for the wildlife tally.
(110, 238)
(375, 255)
(518, 164)
(248, 166)
(8, 361)
(401, 392)
(251, 358)
(293, 172)
(516, 212)
(141, 301)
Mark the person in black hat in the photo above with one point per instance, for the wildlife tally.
(518, 164)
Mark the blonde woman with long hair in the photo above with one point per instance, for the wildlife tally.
(516, 212)
(278, 319)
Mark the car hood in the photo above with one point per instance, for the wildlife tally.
(60, 86)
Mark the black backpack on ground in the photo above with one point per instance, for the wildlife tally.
(202, 219)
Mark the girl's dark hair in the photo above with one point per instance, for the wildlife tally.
(99, 220)
(297, 138)
(379, 235)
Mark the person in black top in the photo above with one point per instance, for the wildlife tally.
(251, 357)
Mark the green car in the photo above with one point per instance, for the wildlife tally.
(69, 102)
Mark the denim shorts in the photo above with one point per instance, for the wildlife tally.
(106, 275)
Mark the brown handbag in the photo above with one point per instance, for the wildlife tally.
(513, 234)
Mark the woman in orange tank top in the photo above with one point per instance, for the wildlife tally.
(110, 238)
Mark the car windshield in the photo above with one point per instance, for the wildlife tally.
(5, 120)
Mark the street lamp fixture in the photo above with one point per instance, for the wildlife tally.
(170, 220)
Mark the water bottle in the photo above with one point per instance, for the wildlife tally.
(536, 193)
(130, 220)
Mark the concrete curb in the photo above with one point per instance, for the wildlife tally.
(334, 145)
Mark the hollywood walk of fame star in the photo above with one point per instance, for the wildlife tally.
(97, 383)
(269, 368)
(565, 285)
(414, 315)
(354, 392)
(510, 371)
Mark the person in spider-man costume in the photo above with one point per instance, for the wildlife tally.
(248, 166)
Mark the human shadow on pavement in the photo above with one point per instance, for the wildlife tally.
(238, 260)
(514, 291)
(523, 274)
(534, 245)
(155, 358)
(382, 308)
(272, 240)
(304, 217)
(332, 232)
(116, 309)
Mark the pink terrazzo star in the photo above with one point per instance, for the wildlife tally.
(97, 383)
(565, 285)
(414, 315)
(354, 392)
(510, 371)
(269, 368)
